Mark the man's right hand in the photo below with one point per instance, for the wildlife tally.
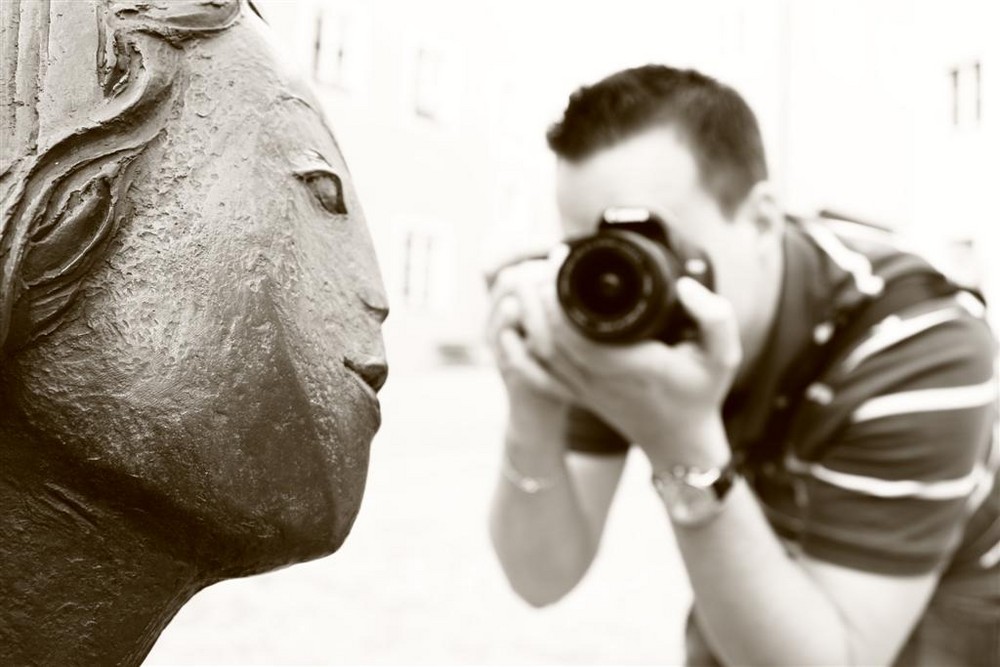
(520, 336)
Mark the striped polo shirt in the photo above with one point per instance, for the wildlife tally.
(891, 461)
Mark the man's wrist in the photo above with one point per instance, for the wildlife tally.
(527, 483)
(703, 445)
(535, 423)
(533, 458)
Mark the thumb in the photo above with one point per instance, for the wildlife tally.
(715, 319)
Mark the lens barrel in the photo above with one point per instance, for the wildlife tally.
(617, 286)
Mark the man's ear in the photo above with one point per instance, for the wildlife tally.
(762, 209)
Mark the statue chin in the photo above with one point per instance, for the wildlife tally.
(253, 459)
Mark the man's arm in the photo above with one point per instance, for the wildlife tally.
(547, 540)
(550, 506)
(757, 604)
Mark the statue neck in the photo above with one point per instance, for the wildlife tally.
(81, 582)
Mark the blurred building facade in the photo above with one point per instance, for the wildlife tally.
(885, 110)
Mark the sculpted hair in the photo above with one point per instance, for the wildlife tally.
(716, 122)
(62, 196)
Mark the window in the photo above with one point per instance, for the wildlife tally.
(966, 82)
(429, 91)
(427, 280)
(977, 69)
(418, 258)
(337, 52)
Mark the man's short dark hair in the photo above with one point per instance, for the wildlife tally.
(717, 123)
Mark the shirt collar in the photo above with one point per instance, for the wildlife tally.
(807, 284)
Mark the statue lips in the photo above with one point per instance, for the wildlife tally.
(371, 375)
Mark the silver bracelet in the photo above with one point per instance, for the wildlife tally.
(530, 485)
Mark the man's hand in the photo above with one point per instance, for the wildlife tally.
(667, 399)
(547, 540)
(519, 333)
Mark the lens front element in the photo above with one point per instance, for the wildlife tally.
(617, 286)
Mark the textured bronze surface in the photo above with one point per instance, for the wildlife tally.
(190, 317)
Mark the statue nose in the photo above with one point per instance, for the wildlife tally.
(373, 371)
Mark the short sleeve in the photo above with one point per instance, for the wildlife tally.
(588, 434)
(898, 456)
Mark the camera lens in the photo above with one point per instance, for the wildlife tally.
(617, 286)
(606, 282)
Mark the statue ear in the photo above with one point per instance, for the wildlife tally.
(177, 19)
(59, 253)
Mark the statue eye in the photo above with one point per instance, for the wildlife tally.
(327, 189)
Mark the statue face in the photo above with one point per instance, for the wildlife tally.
(222, 358)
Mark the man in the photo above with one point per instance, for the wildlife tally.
(872, 537)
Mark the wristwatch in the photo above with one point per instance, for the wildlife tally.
(693, 496)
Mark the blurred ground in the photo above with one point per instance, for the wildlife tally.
(417, 582)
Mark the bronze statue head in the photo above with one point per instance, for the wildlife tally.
(190, 307)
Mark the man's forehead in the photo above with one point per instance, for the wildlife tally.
(653, 169)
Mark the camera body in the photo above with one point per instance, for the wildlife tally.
(619, 284)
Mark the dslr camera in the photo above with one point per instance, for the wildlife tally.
(619, 284)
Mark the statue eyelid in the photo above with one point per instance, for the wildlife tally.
(326, 187)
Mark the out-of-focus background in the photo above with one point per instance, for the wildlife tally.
(887, 110)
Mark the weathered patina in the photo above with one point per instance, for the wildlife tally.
(190, 316)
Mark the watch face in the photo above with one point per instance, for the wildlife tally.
(687, 504)
(693, 504)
